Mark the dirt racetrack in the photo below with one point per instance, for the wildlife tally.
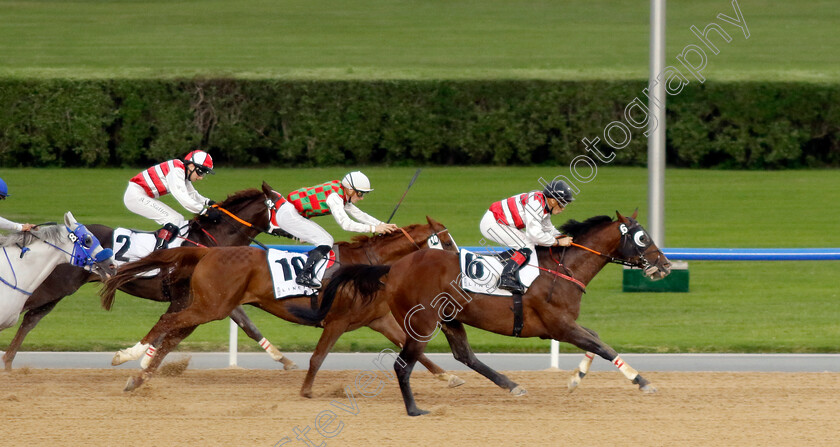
(260, 408)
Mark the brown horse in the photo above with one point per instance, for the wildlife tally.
(424, 293)
(237, 220)
(223, 278)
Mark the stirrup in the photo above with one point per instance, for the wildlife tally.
(307, 280)
(511, 284)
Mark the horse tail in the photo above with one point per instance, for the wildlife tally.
(175, 264)
(365, 279)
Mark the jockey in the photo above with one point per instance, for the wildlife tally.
(335, 197)
(523, 221)
(6, 224)
(173, 176)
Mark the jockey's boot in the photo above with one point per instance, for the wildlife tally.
(508, 280)
(306, 277)
(165, 235)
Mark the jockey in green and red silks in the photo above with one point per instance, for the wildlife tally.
(292, 214)
(522, 222)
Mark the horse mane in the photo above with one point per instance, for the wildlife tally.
(238, 197)
(575, 229)
(363, 240)
(51, 233)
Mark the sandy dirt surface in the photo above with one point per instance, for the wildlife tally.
(261, 408)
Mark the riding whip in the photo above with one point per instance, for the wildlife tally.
(403, 196)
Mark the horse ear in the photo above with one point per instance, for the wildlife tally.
(432, 222)
(69, 220)
(620, 217)
(267, 190)
(635, 213)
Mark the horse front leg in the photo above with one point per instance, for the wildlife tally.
(241, 319)
(589, 341)
(30, 320)
(135, 352)
(160, 349)
(387, 325)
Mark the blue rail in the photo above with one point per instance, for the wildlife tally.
(696, 254)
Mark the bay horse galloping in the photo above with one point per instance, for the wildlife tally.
(223, 278)
(238, 219)
(424, 293)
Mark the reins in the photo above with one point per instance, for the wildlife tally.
(13, 286)
(237, 219)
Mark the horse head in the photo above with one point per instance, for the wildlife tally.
(622, 241)
(86, 249)
(438, 236)
(636, 248)
(236, 219)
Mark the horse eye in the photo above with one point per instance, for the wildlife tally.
(640, 238)
(88, 241)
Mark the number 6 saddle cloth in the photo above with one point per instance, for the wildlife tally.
(480, 273)
(286, 265)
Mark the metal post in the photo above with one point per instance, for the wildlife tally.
(233, 343)
(656, 125)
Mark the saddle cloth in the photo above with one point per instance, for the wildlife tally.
(480, 273)
(286, 265)
(131, 245)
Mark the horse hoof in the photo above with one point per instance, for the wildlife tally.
(574, 381)
(307, 394)
(119, 359)
(132, 384)
(290, 365)
(648, 389)
(417, 412)
(518, 391)
(455, 381)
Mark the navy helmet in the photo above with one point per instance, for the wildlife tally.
(560, 191)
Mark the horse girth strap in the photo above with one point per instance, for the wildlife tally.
(518, 321)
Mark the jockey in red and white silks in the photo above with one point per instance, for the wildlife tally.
(522, 222)
(337, 198)
(175, 177)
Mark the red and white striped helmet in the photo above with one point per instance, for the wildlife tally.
(202, 160)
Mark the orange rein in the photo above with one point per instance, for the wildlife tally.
(587, 249)
(232, 216)
(409, 237)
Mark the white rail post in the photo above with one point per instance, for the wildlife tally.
(233, 344)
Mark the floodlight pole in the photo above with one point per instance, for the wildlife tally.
(656, 124)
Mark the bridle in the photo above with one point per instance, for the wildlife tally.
(634, 246)
(269, 204)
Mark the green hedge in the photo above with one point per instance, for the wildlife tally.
(305, 123)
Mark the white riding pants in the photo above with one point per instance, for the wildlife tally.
(138, 202)
(502, 234)
(300, 227)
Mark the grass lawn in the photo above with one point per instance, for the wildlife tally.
(732, 306)
(400, 39)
